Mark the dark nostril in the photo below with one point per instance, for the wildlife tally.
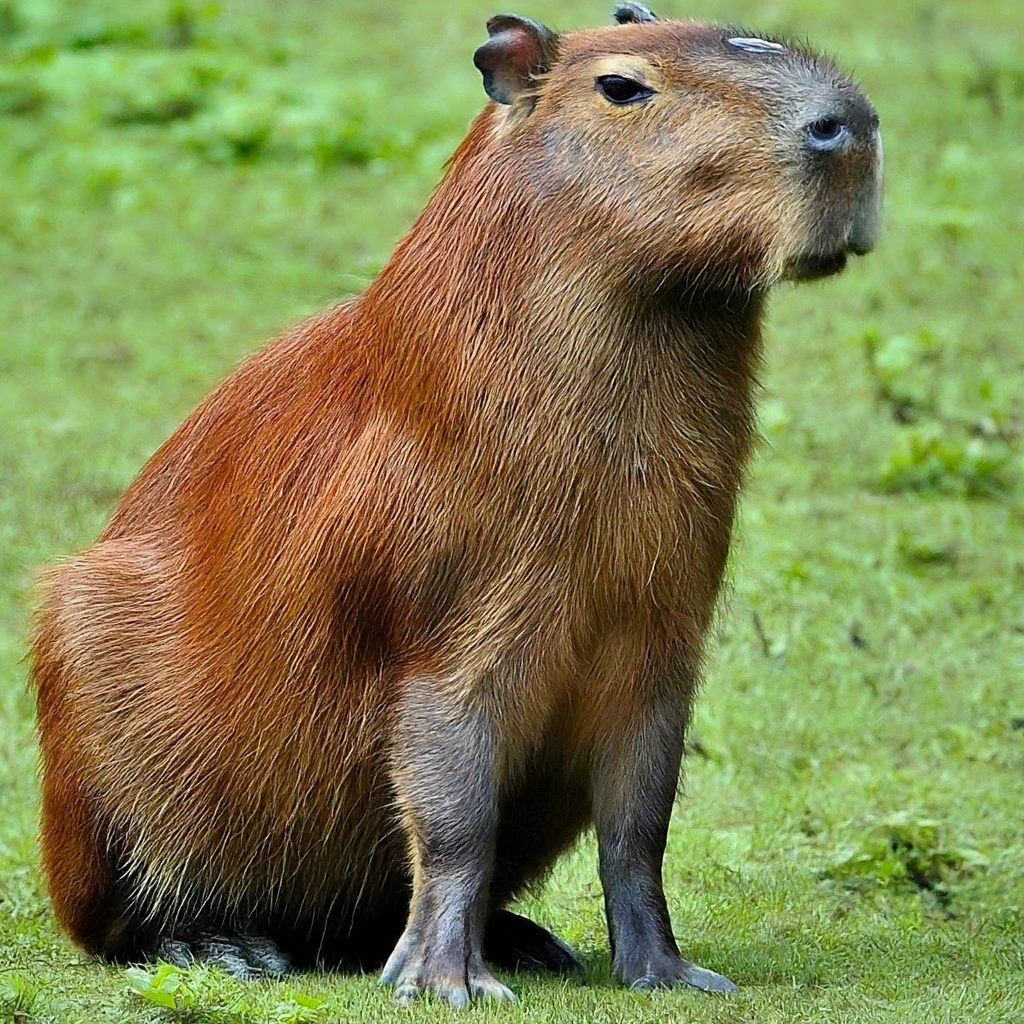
(827, 134)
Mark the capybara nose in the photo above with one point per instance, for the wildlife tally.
(868, 211)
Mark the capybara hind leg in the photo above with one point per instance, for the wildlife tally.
(446, 781)
(246, 957)
(75, 857)
(516, 943)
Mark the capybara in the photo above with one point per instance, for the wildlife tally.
(420, 592)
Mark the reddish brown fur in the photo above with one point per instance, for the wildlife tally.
(510, 466)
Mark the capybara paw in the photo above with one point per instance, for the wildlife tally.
(669, 971)
(246, 957)
(413, 975)
(456, 992)
(516, 943)
(484, 985)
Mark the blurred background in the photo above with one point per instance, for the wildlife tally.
(181, 180)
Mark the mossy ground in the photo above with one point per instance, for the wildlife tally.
(179, 181)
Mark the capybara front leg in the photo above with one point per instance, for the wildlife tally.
(444, 772)
(635, 779)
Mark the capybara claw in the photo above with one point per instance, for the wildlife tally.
(678, 971)
(708, 981)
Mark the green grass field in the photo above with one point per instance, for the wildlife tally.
(179, 181)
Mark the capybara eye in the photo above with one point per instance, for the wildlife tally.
(617, 89)
(826, 133)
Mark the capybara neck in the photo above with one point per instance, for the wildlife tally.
(499, 283)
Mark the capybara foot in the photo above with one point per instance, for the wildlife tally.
(667, 971)
(414, 972)
(246, 957)
(515, 943)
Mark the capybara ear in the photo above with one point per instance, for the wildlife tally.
(519, 49)
(633, 14)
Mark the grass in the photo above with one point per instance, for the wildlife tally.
(179, 181)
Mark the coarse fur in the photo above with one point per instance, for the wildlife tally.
(473, 521)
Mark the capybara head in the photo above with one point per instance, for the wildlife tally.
(687, 153)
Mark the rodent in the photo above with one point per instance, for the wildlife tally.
(420, 592)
